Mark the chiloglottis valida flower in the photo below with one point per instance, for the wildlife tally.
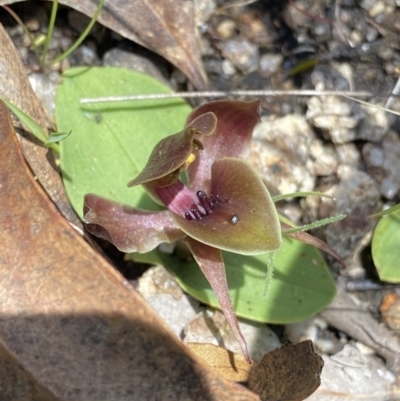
(224, 206)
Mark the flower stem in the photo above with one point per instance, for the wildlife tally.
(83, 36)
(49, 32)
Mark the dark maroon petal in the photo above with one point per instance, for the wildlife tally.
(212, 265)
(314, 241)
(128, 228)
(236, 121)
(243, 218)
(172, 152)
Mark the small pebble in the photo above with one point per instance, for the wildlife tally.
(377, 8)
(45, 87)
(228, 69)
(140, 60)
(226, 29)
(384, 163)
(270, 64)
(280, 152)
(203, 11)
(334, 115)
(357, 196)
(242, 53)
(163, 293)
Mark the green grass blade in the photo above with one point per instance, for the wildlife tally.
(300, 195)
(385, 212)
(31, 125)
(26, 30)
(315, 224)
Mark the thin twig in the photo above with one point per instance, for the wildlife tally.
(396, 113)
(395, 91)
(239, 3)
(215, 94)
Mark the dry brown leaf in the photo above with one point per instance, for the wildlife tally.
(222, 362)
(288, 373)
(166, 27)
(390, 311)
(15, 87)
(16, 384)
(75, 327)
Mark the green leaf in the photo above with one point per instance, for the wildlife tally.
(301, 286)
(111, 142)
(57, 137)
(32, 126)
(386, 249)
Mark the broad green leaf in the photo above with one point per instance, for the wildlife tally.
(111, 142)
(301, 286)
(386, 247)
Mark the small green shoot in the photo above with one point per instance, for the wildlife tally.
(57, 137)
(42, 53)
(32, 126)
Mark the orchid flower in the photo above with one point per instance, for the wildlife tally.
(224, 206)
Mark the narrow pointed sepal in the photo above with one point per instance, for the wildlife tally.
(128, 228)
(313, 241)
(212, 265)
(242, 217)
